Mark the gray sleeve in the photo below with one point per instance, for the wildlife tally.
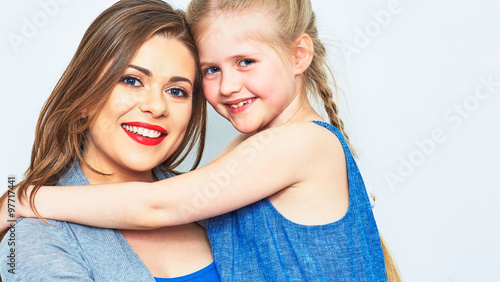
(203, 223)
(36, 251)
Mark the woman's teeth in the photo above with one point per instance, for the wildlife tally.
(150, 133)
(240, 104)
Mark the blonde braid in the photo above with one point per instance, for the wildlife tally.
(317, 79)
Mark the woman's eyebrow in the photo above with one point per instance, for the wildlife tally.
(172, 79)
(180, 78)
(143, 70)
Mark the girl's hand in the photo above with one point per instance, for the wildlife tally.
(11, 209)
(7, 214)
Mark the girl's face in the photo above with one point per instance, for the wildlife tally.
(146, 115)
(245, 80)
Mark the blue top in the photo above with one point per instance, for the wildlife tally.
(207, 274)
(66, 251)
(257, 243)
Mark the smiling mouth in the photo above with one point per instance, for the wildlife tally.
(240, 104)
(149, 133)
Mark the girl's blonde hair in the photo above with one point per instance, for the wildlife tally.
(112, 39)
(292, 18)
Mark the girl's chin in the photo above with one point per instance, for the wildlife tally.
(245, 128)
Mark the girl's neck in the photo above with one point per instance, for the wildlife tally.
(299, 110)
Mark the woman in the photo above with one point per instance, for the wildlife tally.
(129, 107)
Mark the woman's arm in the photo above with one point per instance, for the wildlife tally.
(257, 168)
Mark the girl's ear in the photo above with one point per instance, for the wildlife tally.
(303, 53)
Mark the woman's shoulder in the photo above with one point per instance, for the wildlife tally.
(162, 173)
(39, 224)
(47, 231)
(42, 251)
(35, 230)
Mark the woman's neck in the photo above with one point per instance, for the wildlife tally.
(94, 177)
(100, 172)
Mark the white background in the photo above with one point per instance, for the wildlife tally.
(408, 71)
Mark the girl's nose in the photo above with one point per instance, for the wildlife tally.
(230, 83)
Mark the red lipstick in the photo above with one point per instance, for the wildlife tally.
(148, 141)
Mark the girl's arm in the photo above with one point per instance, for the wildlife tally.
(260, 166)
(231, 145)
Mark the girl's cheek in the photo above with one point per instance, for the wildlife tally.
(210, 91)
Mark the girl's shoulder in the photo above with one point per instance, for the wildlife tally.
(232, 144)
(292, 145)
(302, 132)
(306, 134)
(306, 140)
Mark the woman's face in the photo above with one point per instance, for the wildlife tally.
(146, 116)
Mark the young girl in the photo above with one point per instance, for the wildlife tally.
(129, 107)
(301, 210)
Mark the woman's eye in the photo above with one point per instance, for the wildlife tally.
(131, 81)
(246, 62)
(212, 70)
(177, 92)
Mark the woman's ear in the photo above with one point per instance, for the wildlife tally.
(303, 53)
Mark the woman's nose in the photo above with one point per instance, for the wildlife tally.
(154, 102)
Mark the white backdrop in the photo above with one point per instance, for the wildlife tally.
(420, 85)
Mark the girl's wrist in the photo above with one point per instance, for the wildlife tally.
(23, 207)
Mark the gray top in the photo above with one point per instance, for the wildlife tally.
(66, 251)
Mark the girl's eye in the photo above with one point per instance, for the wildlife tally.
(212, 70)
(177, 92)
(246, 62)
(132, 81)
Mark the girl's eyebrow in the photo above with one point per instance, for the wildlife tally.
(172, 79)
(233, 57)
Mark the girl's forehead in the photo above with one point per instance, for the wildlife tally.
(231, 42)
(254, 25)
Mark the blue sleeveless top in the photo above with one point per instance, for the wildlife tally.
(206, 274)
(257, 243)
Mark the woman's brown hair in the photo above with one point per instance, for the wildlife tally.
(103, 55)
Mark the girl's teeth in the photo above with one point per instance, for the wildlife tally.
(240, 104)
